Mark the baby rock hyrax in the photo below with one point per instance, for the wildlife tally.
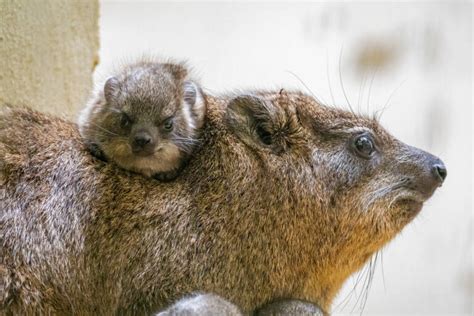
(146, 118)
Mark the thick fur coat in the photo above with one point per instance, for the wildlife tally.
(277, 203)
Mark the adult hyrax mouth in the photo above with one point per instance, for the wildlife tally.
(412, 206)
(422, 174)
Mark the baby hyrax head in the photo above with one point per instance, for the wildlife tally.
(146, 118)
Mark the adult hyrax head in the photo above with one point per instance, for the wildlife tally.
(146, 118)
(353, 165)
(333, 185)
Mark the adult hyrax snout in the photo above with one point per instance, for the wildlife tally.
(428, 171)
(415, 175)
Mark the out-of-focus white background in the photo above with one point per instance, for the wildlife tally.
(413, 59)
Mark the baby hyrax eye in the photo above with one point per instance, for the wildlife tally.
(168, 124)
(364, 145)
(125, 120)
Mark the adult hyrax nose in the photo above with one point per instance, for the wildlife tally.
(430, 172)
(142, 143)
(439, 171)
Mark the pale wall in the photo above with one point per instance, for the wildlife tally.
(48, 50)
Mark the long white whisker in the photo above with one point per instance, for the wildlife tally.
(370, 89)
(342, 83)
(361, 90)
(105, 130)
(379, 193)
(307, 88)
(115, 110)
(382, 110)
(329, 80)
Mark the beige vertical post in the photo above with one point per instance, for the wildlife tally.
(48, 51)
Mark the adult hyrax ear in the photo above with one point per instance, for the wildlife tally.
(194, 100)
(111, 89)
(254, 121)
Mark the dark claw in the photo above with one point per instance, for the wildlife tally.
(97, 152)
(166, 176)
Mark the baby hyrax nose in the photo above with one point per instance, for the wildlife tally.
(142, 143)
(141, 140)
(439, 171)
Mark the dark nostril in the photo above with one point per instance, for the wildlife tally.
(440, 171)
(142, 140)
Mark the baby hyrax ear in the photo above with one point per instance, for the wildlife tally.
(194, 103)
(254, 120)
(111, 89)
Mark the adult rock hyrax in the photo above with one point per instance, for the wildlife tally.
(146, 118)
(285, 198)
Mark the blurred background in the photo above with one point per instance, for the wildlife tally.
(412, 61)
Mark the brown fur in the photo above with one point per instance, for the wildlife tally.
(141, 98)
(275, 204)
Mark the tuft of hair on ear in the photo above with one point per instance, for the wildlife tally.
(111, 89)
(253, 120)
(249, 108)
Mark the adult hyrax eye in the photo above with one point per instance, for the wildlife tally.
(125, 120)
(168, 124)
(364, 146)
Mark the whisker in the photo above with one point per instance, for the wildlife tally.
(383, 273)
(370, 89)
(184, 142)
(382, 110)
(366, 284)
(197, 140)
(366, 271)
(370, 280)
(185, 146)
(328, 79)
(342, 83)
(105, 130)
(307, 88)
(395, 199)
(361, 90)
(347, 299)
(379, 193)
(115, 110)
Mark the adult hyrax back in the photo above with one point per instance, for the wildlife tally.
(286, 198)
